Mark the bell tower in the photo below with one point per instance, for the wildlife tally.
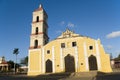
(39, 32)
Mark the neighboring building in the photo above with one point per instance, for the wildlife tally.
(4, 66)
(115, 63)
(112, 63)
(69, 52)
(23, 69)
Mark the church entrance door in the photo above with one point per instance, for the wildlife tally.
(48, 66)
(69, 63)
(92, 63)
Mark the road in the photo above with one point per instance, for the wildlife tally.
(112, 76)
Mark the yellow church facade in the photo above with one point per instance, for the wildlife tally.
(69, 52)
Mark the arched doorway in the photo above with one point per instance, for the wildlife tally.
(69, 63)
(48, 66)
(92, 63)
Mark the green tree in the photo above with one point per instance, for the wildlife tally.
(117, 58)
(11, 63)
(24, 61)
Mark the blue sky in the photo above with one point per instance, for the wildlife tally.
(93, 18)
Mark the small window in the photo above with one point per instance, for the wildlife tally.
(91, 47)
(62, 45)
(48, 51)
(37, 19)
(74, 44)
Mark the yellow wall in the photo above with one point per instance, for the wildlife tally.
(81, 41)
(34, 62)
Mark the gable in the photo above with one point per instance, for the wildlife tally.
(68, 34)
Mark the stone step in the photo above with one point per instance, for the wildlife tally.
(87, 74)
(68, 74)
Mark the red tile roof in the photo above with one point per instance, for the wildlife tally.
(4, 63)
(39, 9)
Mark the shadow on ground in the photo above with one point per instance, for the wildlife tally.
(61, 76)
(109, 76)
(39, 77)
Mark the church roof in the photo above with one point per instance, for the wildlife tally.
(40, 8)
(67, 34)
(3, 63)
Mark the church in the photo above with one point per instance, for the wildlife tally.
(69, 52)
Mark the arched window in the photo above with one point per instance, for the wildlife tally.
(36, 44)
(37, 19)
(36, 30)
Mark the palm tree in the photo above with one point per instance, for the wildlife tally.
(16, 52)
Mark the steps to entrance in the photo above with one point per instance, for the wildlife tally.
(66, 76)
(86, 74)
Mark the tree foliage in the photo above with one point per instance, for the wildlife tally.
(11, 63)
(16, 51)
(117, 58)
(24, 60)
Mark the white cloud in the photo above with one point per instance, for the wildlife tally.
(67, 24)
(109, 47)
(113, 35)
(62, 23)
(71, 25)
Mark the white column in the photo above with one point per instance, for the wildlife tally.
(53, 59)
(98, 56)
(76, 59)
(61, 59)
(7, 67)
(43, 61)
(86, 56)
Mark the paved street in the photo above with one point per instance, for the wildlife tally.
(112, 76)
